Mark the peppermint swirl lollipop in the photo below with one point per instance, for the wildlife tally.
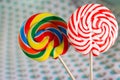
(43, 35)
(92, 28)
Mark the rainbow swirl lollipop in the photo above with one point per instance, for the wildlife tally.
(43, 35)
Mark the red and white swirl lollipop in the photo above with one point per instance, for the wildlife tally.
(92, 28)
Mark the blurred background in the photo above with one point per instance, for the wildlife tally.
(14, 65)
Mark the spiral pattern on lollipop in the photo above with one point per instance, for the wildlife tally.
(43, 35)
(92, 28)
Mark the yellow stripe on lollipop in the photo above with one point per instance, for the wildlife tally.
(58, 50)
(39, 17)
(36, 45)
(47, 52)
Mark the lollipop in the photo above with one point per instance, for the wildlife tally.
(43, 35)
(92, 29)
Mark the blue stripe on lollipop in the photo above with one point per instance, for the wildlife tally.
(63, 30)
(56, 32)
(22, 34)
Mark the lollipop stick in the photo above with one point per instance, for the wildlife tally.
(61, 60)
(91, 66)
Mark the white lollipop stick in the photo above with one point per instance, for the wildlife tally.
(91, 66)
(71, 75)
